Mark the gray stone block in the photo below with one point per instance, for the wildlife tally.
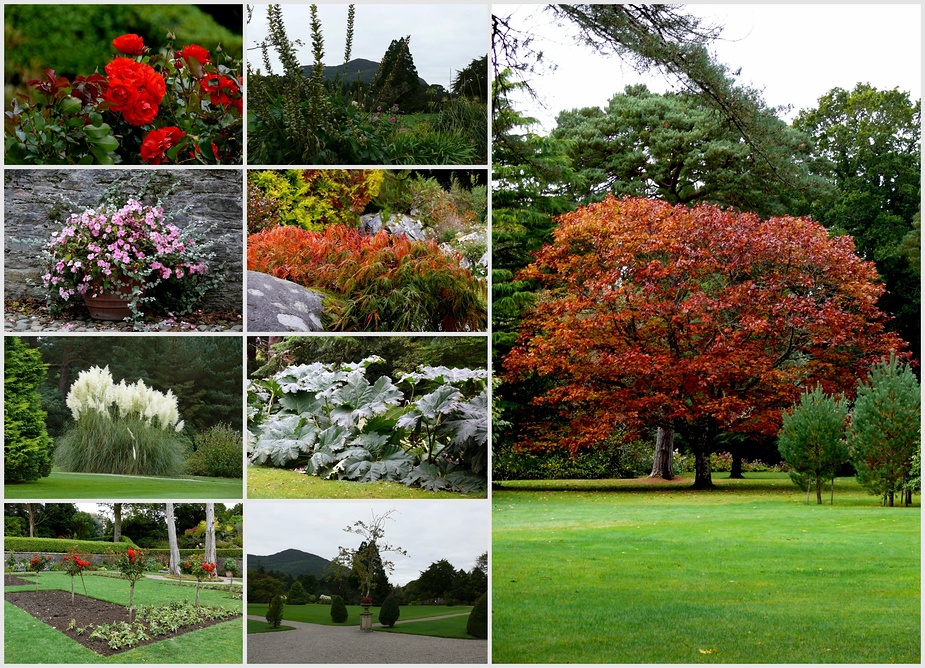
(275, 305)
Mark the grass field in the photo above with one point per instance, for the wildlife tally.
(269, 483)
(256, 626)
(642, 572)
(73, 486)
(27, 640)
(321, 614)
(451, 627)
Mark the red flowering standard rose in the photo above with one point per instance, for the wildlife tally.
(135, 90)
(74, 564)
(130, 44)
(201, 570)
(156, 143)
(37, 564)
(132, 564)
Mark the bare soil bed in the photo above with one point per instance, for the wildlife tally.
(54, 608)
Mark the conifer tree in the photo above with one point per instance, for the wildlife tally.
(27, 448)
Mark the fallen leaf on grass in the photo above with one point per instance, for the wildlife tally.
(707, 651)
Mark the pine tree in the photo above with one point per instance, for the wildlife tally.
(885, 431)
(297, 595)
(811, 439)
(27, 448)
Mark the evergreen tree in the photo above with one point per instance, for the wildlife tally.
(885, 432)
(338, 610)
(297, 595)
(811, 439)
(27, 448)
(396, 81)
(472, 80)
(275, 611)
(477, 626)
(389, 612)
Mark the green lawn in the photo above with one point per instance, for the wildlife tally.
(451, 627)
(636, 572)
(321, 614)
(27, 640)
(74, 486)
(270, 483)
(256, 626)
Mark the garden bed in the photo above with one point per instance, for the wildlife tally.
(54, 608)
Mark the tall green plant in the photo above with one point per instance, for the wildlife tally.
(885, 432)
(27, 448)
(812, 439)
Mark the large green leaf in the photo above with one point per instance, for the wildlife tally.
(283, 440)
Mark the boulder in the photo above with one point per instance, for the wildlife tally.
(397, 224)
(275, 305)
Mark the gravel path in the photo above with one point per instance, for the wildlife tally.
(317, 643)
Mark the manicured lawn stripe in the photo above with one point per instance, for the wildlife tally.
(269, 483)
(60, 485)
(756, 575)
(451, 627)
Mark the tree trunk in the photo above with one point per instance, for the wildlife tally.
(700, 444)
(174, 564)
(663, 466)
(210, 533)
(736, 470)
(30, 511)
(116, 522)
(818, 490)
(908, 498)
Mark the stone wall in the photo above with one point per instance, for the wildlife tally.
(36, 202)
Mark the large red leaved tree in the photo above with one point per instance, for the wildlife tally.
(699, 319)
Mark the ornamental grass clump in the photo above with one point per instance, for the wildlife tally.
(131, 249)
(122, 428)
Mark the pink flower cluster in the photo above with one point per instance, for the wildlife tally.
(98, 246)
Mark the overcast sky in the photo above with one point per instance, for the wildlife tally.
(794, 53)
(455, 530)
(444, 37)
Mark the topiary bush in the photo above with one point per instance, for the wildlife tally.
(477, 626)
(218, 453)
(275, 611)
(389, 612)
(338, 610)
(379, 282)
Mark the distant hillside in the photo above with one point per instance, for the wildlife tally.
(358, 67)
(290, 562)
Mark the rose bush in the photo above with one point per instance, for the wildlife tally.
(171, 107)
(74, 564)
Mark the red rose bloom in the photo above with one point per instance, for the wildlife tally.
(155, 145)
(130, 45)
(135, 90)
(222, 90)
(191, 51)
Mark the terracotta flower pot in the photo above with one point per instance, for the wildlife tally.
(112, 305)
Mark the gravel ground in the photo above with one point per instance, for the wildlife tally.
(316, 643)
(31, 318)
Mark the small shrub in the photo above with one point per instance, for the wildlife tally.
(297, 594)
(338, 610)
(477, 626)
(275, 612)
(382, 282)
(389, 612)
(218, 453)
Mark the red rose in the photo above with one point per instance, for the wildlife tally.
(155, 145)
(222, 90)
(191, 51)
(135, 90)
(130, 45)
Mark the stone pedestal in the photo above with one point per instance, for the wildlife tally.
(366, 621)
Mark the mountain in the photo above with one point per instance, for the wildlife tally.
(290, 562)
(358, 67)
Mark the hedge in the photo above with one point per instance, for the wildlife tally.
(220, 552)
(20, 544)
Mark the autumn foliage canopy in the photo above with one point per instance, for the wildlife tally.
(700, 318)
